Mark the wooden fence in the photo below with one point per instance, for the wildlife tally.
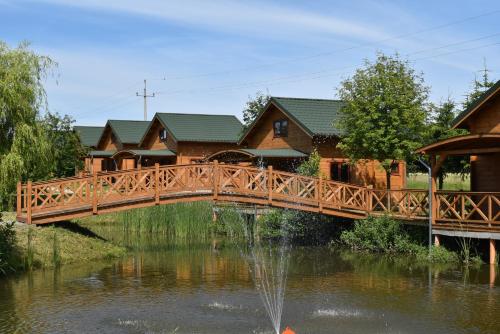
(62, 199)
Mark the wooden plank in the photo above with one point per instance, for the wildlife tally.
(29, 202)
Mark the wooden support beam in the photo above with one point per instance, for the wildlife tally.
(157, 183)
(493, 251)
(94, 193)
(29, 202)
(433, 199)
(437, 240)
(216, 179)
(270, 184)
(18, 200)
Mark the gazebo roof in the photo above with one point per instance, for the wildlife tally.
(463, 145)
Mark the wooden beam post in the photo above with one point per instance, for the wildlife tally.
(216, 179)
(319, 194)
(29, 202)
(157, 183)
(493, 251)
(94, 193)
(437, 240)
(270, 184)
(433, 200)
(18, 200)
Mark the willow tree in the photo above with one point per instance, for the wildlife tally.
(385, 112)
(25, 149)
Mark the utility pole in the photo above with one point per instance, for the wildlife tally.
(145, 96)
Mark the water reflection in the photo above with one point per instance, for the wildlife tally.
(161, 288)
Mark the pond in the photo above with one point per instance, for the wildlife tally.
(207, 288)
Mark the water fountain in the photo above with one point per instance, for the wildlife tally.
(269, 267)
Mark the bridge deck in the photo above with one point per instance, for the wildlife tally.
(63, 199)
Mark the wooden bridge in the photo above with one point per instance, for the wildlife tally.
(67, 198)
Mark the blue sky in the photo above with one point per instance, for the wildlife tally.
(209, 56)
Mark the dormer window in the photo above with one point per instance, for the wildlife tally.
(281, 128)
(163, 135)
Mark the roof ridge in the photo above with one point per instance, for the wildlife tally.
(306, 98)
(193, 114)
(126, 120)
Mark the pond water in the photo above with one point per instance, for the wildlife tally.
(207, 288)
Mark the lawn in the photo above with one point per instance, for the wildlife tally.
(451, 182)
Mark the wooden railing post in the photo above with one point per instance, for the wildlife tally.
(215, 174)
(157, 183)
(94, 191)
(18, 200)
(319, 194)
(28, 202)
(270, 184)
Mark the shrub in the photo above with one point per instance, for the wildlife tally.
(378, 234)
(7, 247)
(437, 255)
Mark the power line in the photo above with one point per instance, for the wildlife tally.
(320, 73)
(318, 55)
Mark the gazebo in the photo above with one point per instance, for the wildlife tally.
(482, 145)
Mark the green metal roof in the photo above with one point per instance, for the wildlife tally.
(128, 132)
(464, 114)
(201, 127)
(89, 135)
(316, 117)
(101, 153)
(152, 153)
(275, 153)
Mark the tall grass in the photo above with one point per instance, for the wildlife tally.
(174, 223)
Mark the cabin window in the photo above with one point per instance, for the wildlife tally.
(339, 171)
(281, 128)
(395, 168)
(163, 135)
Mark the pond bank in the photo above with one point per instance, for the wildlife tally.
(29, 247)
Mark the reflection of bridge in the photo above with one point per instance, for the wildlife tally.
(62, 199)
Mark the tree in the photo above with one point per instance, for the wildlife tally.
(478, 88)
(25, 149)
(384, 113)
(254, 106)
(67, 149)
(310, 167)
(440, 128)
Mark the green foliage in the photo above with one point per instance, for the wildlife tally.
(437, 255)
(385, 112)
(440, 127)
(25, 149)
(479, 86)
(298, 226)
(310, 167)
(378, 234)
(66, 147)
(7, 247)
(254, 106)
(386, 235)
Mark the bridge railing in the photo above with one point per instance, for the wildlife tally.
(250, 184)
(462, 210)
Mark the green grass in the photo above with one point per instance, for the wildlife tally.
(27, 247)
(451, 182)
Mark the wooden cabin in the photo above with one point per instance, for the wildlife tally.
(89, 138)
(190, 137)
(116, 146)
(482, 144)
(289, 129)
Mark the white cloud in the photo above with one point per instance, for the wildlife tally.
(231, 16)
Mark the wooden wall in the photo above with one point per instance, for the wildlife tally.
(487, 119)
(152, 139)
(262, 135)
(188, 152)
(485, 175)
(109, 141)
